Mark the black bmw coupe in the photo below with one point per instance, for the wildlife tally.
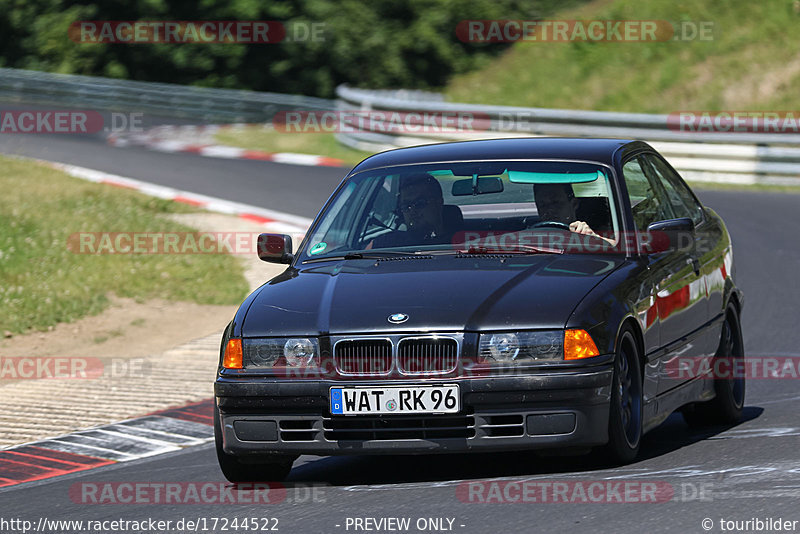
(486, 295)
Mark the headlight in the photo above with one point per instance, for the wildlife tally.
(299, 352)
(280, 352)
(521, 347)
(502, 347)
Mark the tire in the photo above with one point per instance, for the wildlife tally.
(268, 468)
(726, 406)
(625, 410)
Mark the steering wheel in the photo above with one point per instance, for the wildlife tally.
(554, 224)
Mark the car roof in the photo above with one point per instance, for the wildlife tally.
(570, 148)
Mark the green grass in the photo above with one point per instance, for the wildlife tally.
(752, 63)
(269, 140)
(42, 283)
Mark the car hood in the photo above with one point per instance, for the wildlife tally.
(438, 294)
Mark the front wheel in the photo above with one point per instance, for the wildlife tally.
(727, 405)
(266, 470)
(625, 415)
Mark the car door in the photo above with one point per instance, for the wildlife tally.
(676, 304)
(708, 255)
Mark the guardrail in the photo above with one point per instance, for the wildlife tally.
(747, 158)
(718, 157)
(196, 104)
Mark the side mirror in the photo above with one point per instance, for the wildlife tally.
(275, 248)
(672, 234)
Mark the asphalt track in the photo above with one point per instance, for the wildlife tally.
(748, 471)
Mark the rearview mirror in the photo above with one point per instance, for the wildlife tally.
(483, 185)
(671, 234)
(275, 248)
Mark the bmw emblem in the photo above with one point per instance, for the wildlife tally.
(398, 318)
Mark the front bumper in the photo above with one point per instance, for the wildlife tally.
(552, 408)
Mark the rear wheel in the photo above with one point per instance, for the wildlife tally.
(726, 407)
(625, 415)
(263, 469)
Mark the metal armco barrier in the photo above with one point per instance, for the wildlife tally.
(745, 158)
(200, 104)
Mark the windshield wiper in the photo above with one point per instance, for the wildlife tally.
(517, 249)
(530, 249)
(360, 256)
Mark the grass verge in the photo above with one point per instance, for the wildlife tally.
(42, 283)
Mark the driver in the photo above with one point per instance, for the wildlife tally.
(557, 202)
(420, 205)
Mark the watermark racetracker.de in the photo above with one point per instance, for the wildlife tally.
(595, 30)
(195, 31)
(193, 492)
(396, 122)
(57, 121)
(301, 121)
(735, 121)
(724, 367)
(71, 367)
(144, 242)
(581, 491)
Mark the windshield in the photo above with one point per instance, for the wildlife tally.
(474, 207)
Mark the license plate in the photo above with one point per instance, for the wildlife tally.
(398, 400)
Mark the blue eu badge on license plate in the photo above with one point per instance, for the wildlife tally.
(336, 401)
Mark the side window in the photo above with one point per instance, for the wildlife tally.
(648, 203)
(384, 206)
(382, 215)
(681, 199)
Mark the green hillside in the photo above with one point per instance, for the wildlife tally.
(752, 62)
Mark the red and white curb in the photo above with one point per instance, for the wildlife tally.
(271, 220)
(157, 433)
(168, 139)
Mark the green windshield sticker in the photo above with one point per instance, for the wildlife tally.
(319, 247)
(525, 177)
